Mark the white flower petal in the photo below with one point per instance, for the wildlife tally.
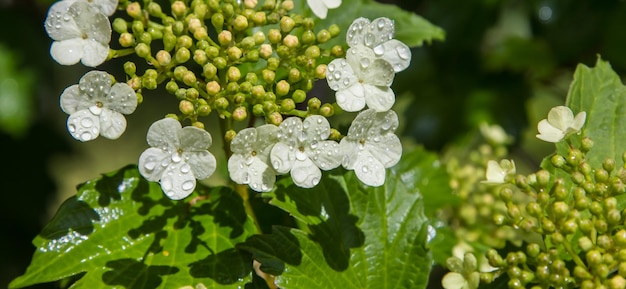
(94, 53)
(561, 117)
(325, 154)
(379, 98)
(549, 133)
(112, 124)
(316, 127)
(579, 121)
(152, 163)
(261, 176)
(379, 73)
(201, 163)
(453, 280)
(360, 58)
(305, 173)
(237, 169)
(83, 125)
(340, 75)
(72, 100)
(290, 131)
(282, 158)
(194, 139)
(96, 85)
(349, 148)
(121, 98)
(388, 150)
(177, 181)
(244, 141)
(351, 98)
(267, 136)
(67, 52)
(107, 7)
(59, 24)
(164, 133)
(397, 54)
(369, 170)
(318, 8)
(332, 4)
(92, 23)
(495, 174)
(362, 32)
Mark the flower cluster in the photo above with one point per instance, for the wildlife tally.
(204, 72)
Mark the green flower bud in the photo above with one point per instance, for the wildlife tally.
(557, 238)
(617, 282)
(134, 10)
(560, 209)
(169, 41)
(287, 105)
(287, 5)
(178, 28)
(558, 161)
(145, 37)
(274, 36)
(240, 113)
(320, 71)
(220, 62)
(181, 94)
(268, 75)
(601, 226)
(574, 157)
(299, 96)
(547, 225)
(308, 37)
(327, 110)
(163, 58)
(204, 110)
(569, 227)
(542, 272)
(543, 198)
(233, 74)
(334, 30)
(130, 68)
(217, 20)
(149, 83)
(245, 87)
(337, 51)
(257, 91)
(209, 71)
(240, 23)
(605, 242)
(234, 53)
(201, 34)
(586, 144)
(182, 55)
(192, 93)
(269, 107)
(287, 24)
(126, 39)
(596, 208)
(602, 270)
(533, 250)
(142, 50)
(581, 273)
(622, 269)
(189, 78)
(179, 9)
(120, 25)
(228, 10)
(137, 27)
(314, 104)
(290, 41)
(257, 110)
(225, 37)
(259, 18)
(534, 209)
(232, 88)
(282, 88)
(283, 51)
(212, 88)
(171, 86)
(221, 103)
(199, 56)
(154, 9)
(186, 107)
(323, 36)
(198, 124)
(312, 52)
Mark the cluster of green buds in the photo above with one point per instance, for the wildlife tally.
(574, 230)
(235, 58)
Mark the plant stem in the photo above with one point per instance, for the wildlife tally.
(244, 192)
(570, 250)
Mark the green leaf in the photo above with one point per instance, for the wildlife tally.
(359, 236)
(600, 93)
(411, 28)
(122, 231)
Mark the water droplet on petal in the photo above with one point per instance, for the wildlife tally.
(86, 122)
(185, 168)
(365, 62)
(300, 155)
(188, 185)
(379, 50)
(176, 157)
(364, 169)
(71, 127)
(166, 184)
(403, 52)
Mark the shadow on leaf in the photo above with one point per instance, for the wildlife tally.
(226, 267)
(142, 276)
(274, 250)
(336, 231)
(74, 215)
(109, 187)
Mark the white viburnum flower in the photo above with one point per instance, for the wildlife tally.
(80, 33)
(303, 149)
(378, 35)
(177, 157)
(320, 7)
(497, 172)
(361, 79)
(371, 146)
(560, 123)
(495, 134)
(463, 273)
(249, 163)
(96, 105)
(107, 7)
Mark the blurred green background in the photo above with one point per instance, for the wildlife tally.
(503, 61)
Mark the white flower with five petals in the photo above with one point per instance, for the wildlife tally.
(320, 7)
(81, 32)
(560, 123)
(96, 105)
(371, 146)
(361, 79)
(378, 35)
(303, 149)
(177, 158)
(249, 163)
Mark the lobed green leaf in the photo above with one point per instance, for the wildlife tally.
(121, 231)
